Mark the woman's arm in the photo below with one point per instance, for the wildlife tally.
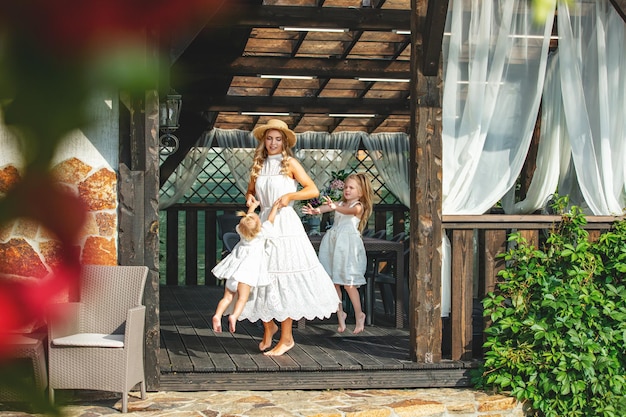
(250, 198)
(309, 189)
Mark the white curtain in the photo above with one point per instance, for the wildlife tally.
(494, 64)
(186, 173)
(390, 153)
(322, 153)
(553, 151)
(238, 150)
(494, 61)
(594, 97)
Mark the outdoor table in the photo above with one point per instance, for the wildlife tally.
(29, 346)
(374, 248)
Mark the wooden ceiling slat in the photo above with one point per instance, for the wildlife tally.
(324, 68)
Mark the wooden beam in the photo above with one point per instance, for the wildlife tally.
(320, 67)
(325, 17)
(308, 105)
(425, 167)
(433, 35)
(620, 6)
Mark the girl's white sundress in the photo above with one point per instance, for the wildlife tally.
(299, 287)
(342, 251)
(247, 262)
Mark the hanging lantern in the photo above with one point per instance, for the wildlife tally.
(169, 112)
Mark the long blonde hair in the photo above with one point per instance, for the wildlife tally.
(260, 155)
(367, 199)
(249, 225)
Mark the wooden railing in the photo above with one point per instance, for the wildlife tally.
(476, 241)
(191, 237)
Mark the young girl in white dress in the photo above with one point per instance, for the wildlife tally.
(246, 266)
(299, 286)
(341, 250)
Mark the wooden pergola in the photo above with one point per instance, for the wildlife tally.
(215, 68)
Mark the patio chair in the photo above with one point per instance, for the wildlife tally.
(98, 343)
(226, 223)
(230, 240)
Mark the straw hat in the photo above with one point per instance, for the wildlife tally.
(259, 131)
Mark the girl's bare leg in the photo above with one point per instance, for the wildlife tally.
(269, 329)
(243, 293)
(355, 298)
(286, 341)
(341, 315)
(222, 305)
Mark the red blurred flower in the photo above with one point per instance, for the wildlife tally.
(78, 26)
(24, 303)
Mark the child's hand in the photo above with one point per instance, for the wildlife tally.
(308, 209)
(330, 203)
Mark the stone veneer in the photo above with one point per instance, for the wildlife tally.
(28, 250)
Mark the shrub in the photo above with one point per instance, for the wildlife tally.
(557, 340)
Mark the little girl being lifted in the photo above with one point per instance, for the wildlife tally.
(245, 267)
(342, 252)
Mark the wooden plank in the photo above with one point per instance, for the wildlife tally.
(461, 314)
(210, 258)
(180, 361)
(191, 247)
(220, 357)
(531, 236)
(165, 364)
(245, 348)
(171, 241)
(195, 349)
(417, 378)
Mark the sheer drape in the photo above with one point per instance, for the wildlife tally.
(553, 151)
(494, 63)
(390, 153)
(238, 150)
(322, 153)
(594, 95)
(186, 173)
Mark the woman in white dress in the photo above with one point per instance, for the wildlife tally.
(299, 287)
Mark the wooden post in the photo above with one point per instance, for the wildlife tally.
(139, 216)
(426, 226)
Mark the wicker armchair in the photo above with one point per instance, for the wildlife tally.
(99, 343)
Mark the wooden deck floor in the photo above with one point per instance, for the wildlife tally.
(193, 357)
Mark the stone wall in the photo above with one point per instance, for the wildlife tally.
(27, 250)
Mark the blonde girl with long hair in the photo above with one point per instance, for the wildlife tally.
(342, 252)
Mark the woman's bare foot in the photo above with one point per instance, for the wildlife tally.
(232, 323)
(360, 323)
(269, 330)
(341, 318)
(217, 324)
(280, 348)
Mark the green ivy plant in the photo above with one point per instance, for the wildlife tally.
(557, 338)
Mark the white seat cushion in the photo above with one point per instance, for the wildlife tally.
(91, 340)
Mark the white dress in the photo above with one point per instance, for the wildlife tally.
(342, 251)
(299, 287)
(247, 262)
